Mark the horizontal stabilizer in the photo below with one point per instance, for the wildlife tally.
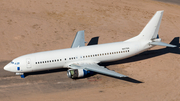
(162, 44)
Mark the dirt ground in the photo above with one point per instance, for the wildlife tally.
(28, 26)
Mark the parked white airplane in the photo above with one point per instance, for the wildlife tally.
(81, 59)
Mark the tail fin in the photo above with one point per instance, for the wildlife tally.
(150, 31)
(153, 25)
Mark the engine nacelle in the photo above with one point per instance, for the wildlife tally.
(77, 73)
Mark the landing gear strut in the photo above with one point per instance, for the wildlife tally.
(21, 74)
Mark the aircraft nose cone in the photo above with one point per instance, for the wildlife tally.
(7, 67)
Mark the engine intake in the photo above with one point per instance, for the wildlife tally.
(77, 73)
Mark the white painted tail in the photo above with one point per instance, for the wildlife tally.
(150, 31)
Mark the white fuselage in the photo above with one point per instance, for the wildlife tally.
(82, 59)
(62, 58)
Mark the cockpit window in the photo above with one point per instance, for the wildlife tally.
(16, 63)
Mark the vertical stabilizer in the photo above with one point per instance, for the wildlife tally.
(152, 28)
(150, 31)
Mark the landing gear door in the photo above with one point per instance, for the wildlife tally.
(28, 63)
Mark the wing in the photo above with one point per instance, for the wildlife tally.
(79, 40)
(96, 68)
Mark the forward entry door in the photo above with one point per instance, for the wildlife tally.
(28, 63)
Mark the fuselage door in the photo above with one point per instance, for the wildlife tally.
(28, 63)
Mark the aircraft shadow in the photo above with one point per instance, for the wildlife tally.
(129, 79)
(46, 71)
(93, 41)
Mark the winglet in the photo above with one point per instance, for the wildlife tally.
(78, 40)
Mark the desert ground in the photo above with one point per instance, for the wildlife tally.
(28, 26)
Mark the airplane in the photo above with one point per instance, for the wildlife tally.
(82, 60)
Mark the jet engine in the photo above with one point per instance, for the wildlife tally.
(77, 73)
